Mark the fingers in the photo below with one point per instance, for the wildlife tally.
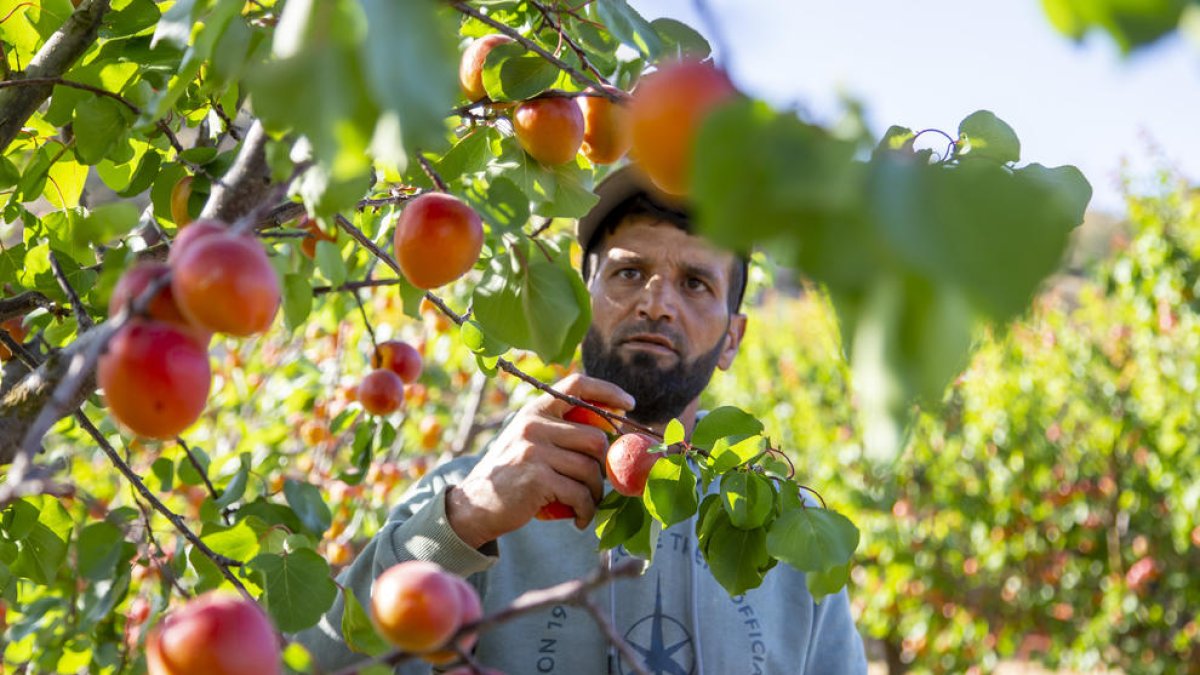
(573, 494)
(580, 438)
(581, 386)
(579, 468)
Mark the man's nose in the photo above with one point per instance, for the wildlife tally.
(658, 300)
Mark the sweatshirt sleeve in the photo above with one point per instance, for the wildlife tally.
(835, 647)
(417, 529)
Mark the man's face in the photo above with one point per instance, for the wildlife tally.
(660, 316)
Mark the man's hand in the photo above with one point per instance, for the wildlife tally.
(539, 458)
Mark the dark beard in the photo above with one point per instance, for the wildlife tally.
(661, 393)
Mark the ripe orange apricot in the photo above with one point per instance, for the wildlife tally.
(15, 327)
(399, 357)
(162, 308)
(308, 245)
(606, 136)
(192, 233)
(155, 378)
(431, 433)
(415, 605)
(180, 194)
(214, 634)
(628, 463)
(438, 239)
(472, 610)
(470, 69)
(667, 109)
(381, 392)
(549, 129)
(225, 283)
(582, 415)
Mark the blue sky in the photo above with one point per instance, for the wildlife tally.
(929, 63)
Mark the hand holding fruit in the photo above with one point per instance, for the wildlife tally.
(538, 459)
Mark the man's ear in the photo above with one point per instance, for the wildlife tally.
(733, 340)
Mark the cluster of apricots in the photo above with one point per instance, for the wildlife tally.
(155, 372)
(396, 363)
(656, 125)
(214, 634)
(419, 607)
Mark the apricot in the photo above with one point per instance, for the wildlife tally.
(308, 245)
(549, 129)
(470, 69)
(180, 194)
(606, 136)
(431, 433)
(438, 239)
(399, 357)
(214, 634)
(162, 308)
(628, 463)
(381, 392)
(582, 415)
(555, 511)
(415, 605)
(155, 378)
(192, 233)
(225, 283)
(665, 114)
(471, 611)
(15, 327)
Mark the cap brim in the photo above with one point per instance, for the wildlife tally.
(617, 187)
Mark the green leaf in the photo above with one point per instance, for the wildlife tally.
(733, 451)
(42, 551)
(812, 539)
(164, 470)
(722, 422)
(9, 173)
(99, 123)
(680, 40)
(827, 582)
(737, 558)
(512, 73)
(988, 136)
(297, 298)
(468, 156)
(673, 433)
(99, 548)
(298, 588)
(500, 203)
(748, 498)
(644, 543)
(475, 339)
(619, 521)
(629, 27)
(357, 629)
(310, 508)
(238, 542)
(329, 261)
(104, 223)
(897, 138)
(670, 495)
(237, 485)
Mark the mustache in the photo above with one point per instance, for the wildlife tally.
(659, 328)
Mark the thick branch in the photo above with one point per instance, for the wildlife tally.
(22, 304)
(246, 184)
(55, 57)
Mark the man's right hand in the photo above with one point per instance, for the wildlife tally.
(539, 458)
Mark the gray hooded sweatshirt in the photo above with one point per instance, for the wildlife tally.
(675, 616)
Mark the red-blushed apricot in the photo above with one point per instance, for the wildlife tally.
(381, 392)
(225, 283)
(470, 69)
(606, 136)
(472, 611)
(15, 327)
(555, 511)
(667, 109)
(180, 194)
(415, 606)
(214, 634)
(399, 357)
(155, 378)
(582, 415)
(308, 245)
(549, 129)
(191, 234)
(438, 239)
(628, 463)
(162, 308)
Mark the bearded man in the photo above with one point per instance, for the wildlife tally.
(665, 315)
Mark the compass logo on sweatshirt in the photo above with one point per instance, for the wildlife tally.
(664, 644)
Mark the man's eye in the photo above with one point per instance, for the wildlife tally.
(696, 284)
(629, 273)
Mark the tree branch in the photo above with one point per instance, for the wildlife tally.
(22, 304)
(56, 56)
(246, 184)
(81, 315)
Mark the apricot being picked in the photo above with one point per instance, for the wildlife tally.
(549, 129)
(416, 606)
(470, 69)
(471, 611)
(438, 239)
(191, 234)
(606, 136)
(628, 463)
(15, 327)
(225, 283)
(666, 112)
(381, 392)
(214, 634)
(399, 357)
(155, 378)
(582, 415)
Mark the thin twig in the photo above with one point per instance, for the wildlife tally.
(631, 658)
(433, 175)
(164, 570)
(370, 330)
(81, 315)
(564, 37)
(355, 285)
(195, 462)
